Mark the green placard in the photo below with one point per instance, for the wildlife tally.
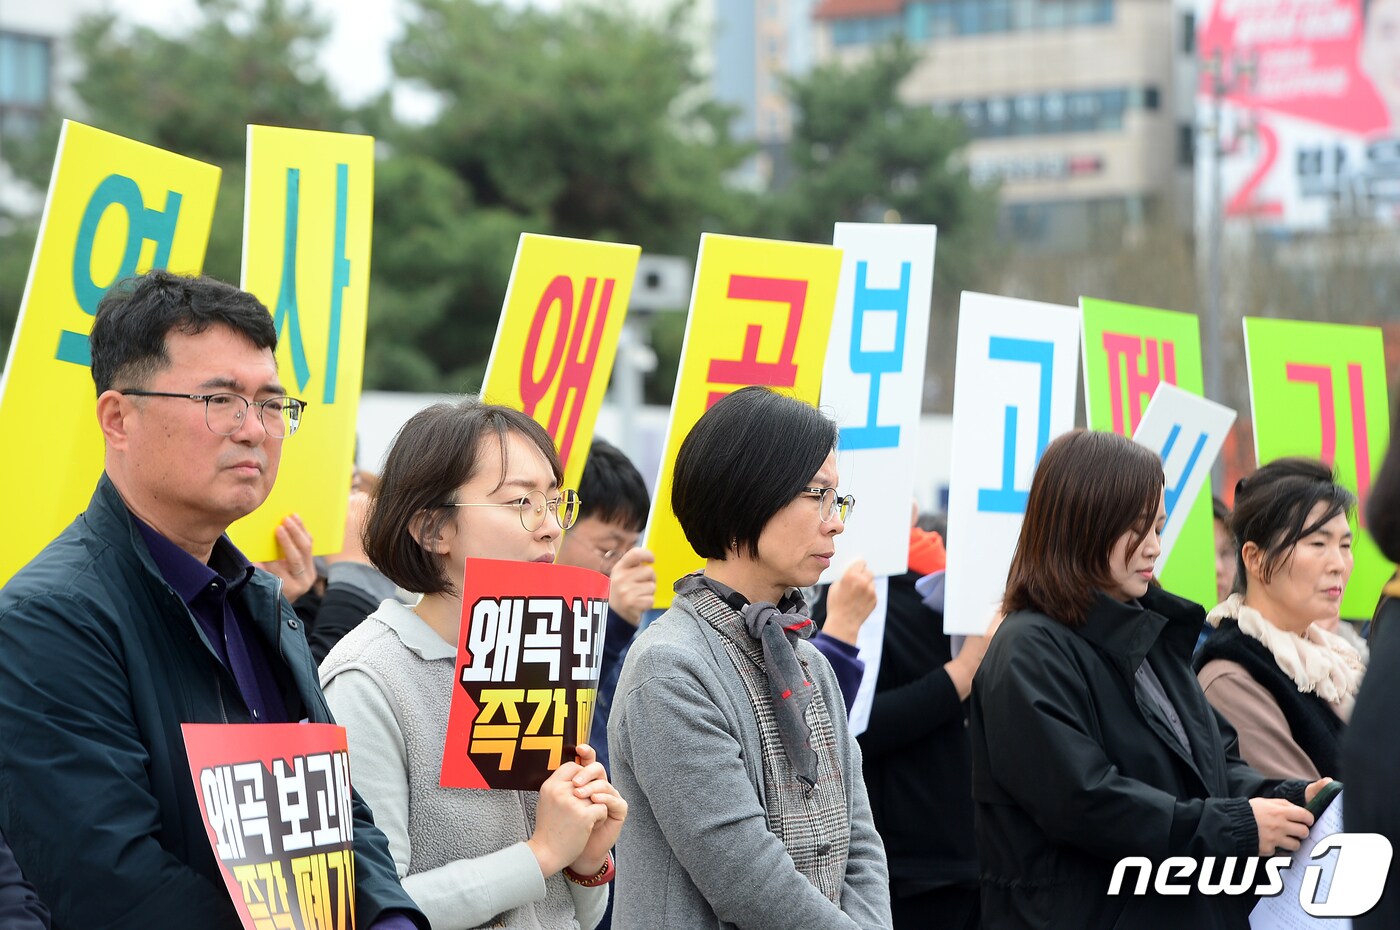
(1319, 390)
(1128, 351)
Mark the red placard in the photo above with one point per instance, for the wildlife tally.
(277, 809)
(528, 657)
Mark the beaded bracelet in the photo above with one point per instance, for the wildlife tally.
(602, 877)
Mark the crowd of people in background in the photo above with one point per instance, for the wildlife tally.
(995, 781)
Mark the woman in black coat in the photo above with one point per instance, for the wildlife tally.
(1370, 752)
(1091, 740)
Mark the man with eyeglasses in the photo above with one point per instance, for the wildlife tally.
(142, 615)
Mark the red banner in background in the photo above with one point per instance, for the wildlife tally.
(528, 657)
(277, 808)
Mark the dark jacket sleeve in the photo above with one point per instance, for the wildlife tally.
(343, 608)
(845, 663)
(909, 713)
(353, 591)
(75, 792)
(1371, 764)
(1383, 506)
(1037, 725)
(20, 907)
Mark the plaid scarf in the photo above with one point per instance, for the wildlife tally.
(790, 689)
(811, 819)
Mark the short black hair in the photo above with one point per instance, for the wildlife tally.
(435, 453)
(137, 313)
(1272, 507)
(611, 489)
(744, 460)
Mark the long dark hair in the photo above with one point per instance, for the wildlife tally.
(1089, 489)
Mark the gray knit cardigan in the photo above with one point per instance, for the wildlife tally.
(696, 851)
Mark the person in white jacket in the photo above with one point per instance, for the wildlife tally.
(464, 480)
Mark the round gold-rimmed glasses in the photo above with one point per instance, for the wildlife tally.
(534, 506)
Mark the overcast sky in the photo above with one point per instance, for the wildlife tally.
(356, 56)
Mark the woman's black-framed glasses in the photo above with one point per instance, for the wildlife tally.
(534, 506)
(225, 411)
(831, 504)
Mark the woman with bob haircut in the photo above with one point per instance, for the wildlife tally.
(1286, 684)
(1091, 740)
(463, 480)
(728, 731)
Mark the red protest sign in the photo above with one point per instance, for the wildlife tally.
(528, 657)
(277, 809)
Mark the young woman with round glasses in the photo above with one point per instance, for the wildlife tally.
(728, 731)
(464, 480)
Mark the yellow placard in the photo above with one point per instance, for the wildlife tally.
(306, 243)
(115, 207)
(760, 314)
(558, 336)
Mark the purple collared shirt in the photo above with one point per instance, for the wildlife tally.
(208, 593)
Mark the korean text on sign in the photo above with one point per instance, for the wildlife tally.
(115, 208)
(760, 314)
(1015, 391)
(1319, 390)
(528, 660)
(873, 384)
(558, 337)
(277, 806)
(1128, 352)
(306, 245)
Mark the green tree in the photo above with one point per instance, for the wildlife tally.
(860, 154)
(192, 91)
(584, 123)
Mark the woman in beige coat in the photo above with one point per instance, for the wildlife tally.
(1285, 682)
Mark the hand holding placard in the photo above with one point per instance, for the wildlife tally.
(528, 658)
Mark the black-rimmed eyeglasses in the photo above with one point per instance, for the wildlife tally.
(224, 412)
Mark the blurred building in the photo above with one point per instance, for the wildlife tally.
(36, 67)
(1077, 108)
(755, 45)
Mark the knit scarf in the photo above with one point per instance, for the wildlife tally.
(1318, 662)
(777, 628)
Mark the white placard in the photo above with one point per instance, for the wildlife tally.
(1188, 432)
(873, 385)
(1016, 389)
(870, 640)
